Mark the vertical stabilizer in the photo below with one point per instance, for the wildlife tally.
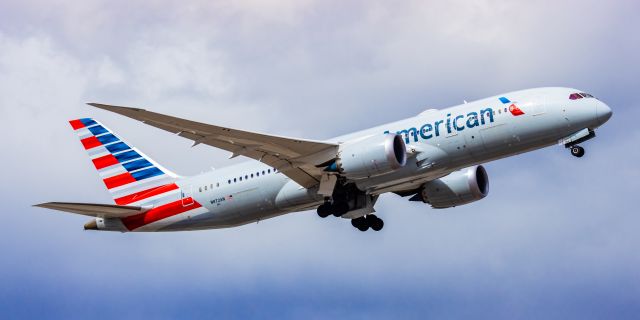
(131, 177)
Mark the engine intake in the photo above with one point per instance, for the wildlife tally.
(372, 156)
(456, 189)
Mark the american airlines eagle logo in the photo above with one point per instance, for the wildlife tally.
(515, 110)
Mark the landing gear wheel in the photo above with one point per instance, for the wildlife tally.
(577, 151)
(375, 223)
(360, 224)
(324, 210)
(339, 208)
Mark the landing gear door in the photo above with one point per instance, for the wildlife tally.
(186, 195)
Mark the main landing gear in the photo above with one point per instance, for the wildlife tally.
(337, 209)
(361, 223)
(369, 221)
(577, 151)
(348, 201)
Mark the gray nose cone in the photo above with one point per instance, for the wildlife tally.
(604, 112)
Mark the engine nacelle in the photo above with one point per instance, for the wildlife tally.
(372, 156)
(458, 188)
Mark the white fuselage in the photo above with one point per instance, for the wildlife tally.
(438, 142)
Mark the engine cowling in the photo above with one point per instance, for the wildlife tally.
(372, 156)
(456, 189)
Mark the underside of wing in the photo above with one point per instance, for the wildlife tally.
(296, 158)
(93, 209)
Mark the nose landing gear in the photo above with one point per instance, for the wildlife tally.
(577, 151)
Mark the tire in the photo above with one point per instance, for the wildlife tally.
(377, 224)
(577, 151)
(324, 210)
(340, 208)
(360, 224)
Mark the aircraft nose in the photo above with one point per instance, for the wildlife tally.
(603, 112)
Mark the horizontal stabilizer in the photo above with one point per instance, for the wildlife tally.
(94, 209)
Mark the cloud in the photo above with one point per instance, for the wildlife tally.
(555, 238)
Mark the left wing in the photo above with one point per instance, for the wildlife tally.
(298, 159)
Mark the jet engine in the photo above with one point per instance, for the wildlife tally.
(372, 156)
(458, 188)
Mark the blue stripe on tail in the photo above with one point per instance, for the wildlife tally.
(137, 164)
(96, 130)
(128, 155)
(116, 147)
(107, 138)
(146, 173)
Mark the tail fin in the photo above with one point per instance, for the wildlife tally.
(130, 176)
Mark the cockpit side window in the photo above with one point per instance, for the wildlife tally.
(575, 96)
(580, 95)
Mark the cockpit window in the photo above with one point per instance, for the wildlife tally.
(576, 96)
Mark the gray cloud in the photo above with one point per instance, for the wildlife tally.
(555, 239)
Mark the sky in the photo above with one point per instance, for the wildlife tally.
(557, 237)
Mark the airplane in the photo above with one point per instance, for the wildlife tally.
(435, 157)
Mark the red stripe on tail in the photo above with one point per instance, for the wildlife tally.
(76, 124)
(159, 213)
(104, 161)
(146, 194)
(119, 180)
(90, 142)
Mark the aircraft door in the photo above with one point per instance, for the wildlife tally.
(186, 194)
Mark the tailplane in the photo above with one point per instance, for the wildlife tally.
(131, 177)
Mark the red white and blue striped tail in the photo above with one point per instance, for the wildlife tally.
(131, 177)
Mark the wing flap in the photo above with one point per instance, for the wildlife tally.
(94, 209)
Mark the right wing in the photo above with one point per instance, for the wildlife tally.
(298, 159)
(94, 209)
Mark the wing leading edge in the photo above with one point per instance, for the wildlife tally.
(296, 158)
